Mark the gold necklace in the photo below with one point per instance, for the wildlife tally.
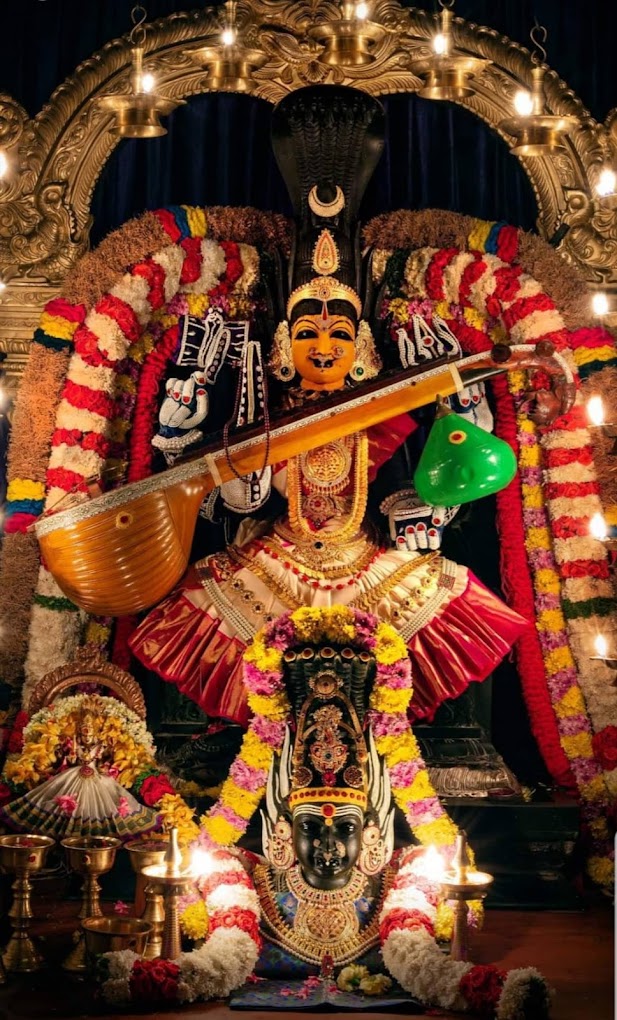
(367, 551)
(364, 601)
(369, 599)
(299, 524)
(321, 557)
(326, 920)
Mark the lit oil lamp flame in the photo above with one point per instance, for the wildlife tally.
(202, 863)
(431, 865)
(598, 528)
(595, 410)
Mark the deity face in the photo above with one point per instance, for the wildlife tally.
(323, 350)
(327, 853)
(86, 732)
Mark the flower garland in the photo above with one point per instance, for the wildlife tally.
(242, 791)
(412, 789)
(411, 954)
(214, 970)
(106, 409)
(549, 507)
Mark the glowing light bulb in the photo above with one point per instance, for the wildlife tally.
(599, 303)
(597, 527)
(147, 82)
(2, 286)
(523, 103)
(595, 410)
(607, 182)
(361, 11)
(4, 164)
(441, 44)
(228, 37)
(601, 646)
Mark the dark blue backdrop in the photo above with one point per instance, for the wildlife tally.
(217, 149)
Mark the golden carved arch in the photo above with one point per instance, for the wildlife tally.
(88, 666)
(59, 154)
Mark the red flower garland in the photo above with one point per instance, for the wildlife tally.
(153, 980)
(482, 986)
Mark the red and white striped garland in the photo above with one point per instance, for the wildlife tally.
(565, 570)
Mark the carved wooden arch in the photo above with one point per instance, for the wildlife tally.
(59, 154)
(88, 666)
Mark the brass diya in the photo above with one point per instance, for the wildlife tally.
(22, 856)
(170, 880)
(113, 934)
(149, 903)
(462, 883)
(89, 856)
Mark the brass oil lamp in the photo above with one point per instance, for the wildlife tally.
(463, 883)
(172, 881)
(137, 112)
(352, 39)
(89, 856)
(229, 61)
(536, 132)
(445, 74)
(149, 903)
(22, 856)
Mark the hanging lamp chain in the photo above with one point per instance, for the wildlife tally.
(137, 36)
(538, 37)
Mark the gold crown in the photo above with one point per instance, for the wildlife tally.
(324, 288)
(327, 795)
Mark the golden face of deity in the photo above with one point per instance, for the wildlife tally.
(323, 350)
(86, 731)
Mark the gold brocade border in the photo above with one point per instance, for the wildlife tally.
(278, 931)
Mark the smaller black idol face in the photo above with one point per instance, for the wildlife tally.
(327, 852)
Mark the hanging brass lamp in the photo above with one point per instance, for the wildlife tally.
(536, 132)
(137, 112)
(445, 74)
(351, 40)
(229, 62)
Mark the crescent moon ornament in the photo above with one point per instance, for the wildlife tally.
(326, 209)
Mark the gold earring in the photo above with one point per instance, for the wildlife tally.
(281, 361)
(372, 857)
(367, 363)
(280, 851)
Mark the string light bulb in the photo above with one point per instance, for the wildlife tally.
(598, 528)
(595, 410)
(599, 304)
(535, 131)
(4, 164)
(607, 182)
(137, 112)
(445, 74)
(361, 11)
